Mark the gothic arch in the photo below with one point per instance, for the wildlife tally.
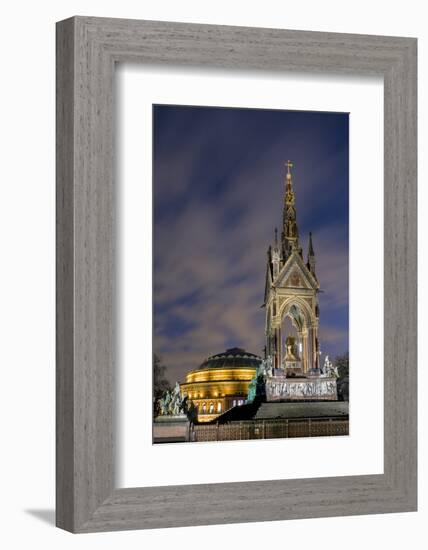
(307, 331)
(297, 318)
(302, 305)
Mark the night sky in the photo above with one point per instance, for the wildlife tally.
(218, 196)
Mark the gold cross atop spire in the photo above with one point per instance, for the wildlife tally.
(289, 165)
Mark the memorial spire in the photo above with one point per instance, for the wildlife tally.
(290, 232)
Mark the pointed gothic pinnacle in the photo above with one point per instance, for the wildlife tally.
(311, 247)
(289, 165)
(276, 236)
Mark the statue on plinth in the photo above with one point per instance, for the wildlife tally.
(256, 387)
(329, 369)
(292, 354)
(292, 361)
(172, 403)
(268, 366)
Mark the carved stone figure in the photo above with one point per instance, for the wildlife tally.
(263, 370)
(269, 365)
(164, 403)
(329, 369)
(291, 347)
(172, 403)
(252, 389)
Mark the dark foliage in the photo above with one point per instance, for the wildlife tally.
(160, 382)
(342, 364)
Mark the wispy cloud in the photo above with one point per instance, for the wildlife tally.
(218, 197)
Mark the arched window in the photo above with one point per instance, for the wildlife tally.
(211, 408)
(219, 407)
(204, 408)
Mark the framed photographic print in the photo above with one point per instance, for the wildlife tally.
(236, 274)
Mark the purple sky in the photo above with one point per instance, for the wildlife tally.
(218, 195)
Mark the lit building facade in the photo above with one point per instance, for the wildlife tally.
(221, 382)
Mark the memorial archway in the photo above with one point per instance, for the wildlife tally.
(298, 322)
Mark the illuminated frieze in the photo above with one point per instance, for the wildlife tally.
(280, 388)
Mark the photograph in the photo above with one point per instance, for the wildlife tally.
(210, 275)
(250, 273)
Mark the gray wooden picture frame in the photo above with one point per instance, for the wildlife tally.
(87, 50)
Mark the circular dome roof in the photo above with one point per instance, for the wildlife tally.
(232, 357)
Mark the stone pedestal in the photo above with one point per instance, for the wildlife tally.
(171, 429)
(293, 369)
(314, 388)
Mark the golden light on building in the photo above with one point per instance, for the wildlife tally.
(221, 382)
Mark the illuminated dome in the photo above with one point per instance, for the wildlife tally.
(233, 357)
(221, 382)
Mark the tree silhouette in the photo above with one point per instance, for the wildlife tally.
(160, 382)
(342, 364)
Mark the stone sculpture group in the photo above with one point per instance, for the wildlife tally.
(329, 369)
(172, 403)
